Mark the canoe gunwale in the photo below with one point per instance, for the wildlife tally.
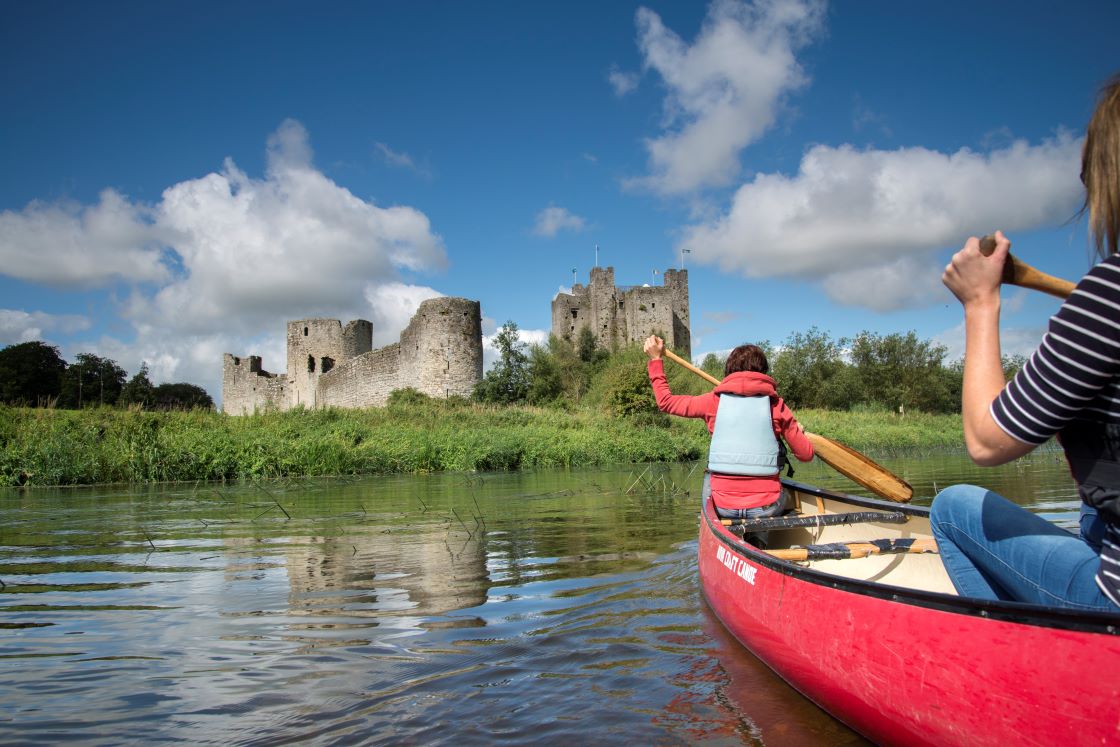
(1107, 623)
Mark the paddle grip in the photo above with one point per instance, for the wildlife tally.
(1025, 276)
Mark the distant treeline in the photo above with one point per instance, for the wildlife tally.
(35, 375)
(896, 372)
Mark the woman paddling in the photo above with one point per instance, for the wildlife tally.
(744, 458)
(1070, 388)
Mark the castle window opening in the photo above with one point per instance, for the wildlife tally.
(310, 364)
(575, 313)
(327, 364)
(305, 331)
(652, 305)
(620, 304)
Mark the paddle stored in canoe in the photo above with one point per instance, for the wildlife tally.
(882, 642)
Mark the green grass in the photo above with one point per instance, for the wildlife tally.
(63, 447)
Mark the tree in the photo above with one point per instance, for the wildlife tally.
(180, 396)
(91, 380)
(714, 365)
(545, 382)
(807, 369)
(1011, 365)
(507, 381)
(902, 371)
(588, 347)
(30, 373)
(138, 390)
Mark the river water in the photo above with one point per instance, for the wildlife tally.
(536, 607)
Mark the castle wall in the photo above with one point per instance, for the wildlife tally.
(247, 388)
(647, 311)
(329, 365)
(365, 381)
(571, 312)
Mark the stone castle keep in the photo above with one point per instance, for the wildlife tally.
(331, 365)
(622, 315)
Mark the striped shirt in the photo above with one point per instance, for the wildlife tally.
(1074, 375)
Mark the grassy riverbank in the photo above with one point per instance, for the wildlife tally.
(61, 447)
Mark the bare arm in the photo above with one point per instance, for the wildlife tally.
(975, 280)
(684, 405)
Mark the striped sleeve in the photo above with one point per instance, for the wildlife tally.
(1076, 369)
(1108, 576)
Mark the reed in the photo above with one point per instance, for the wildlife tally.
(64, 447)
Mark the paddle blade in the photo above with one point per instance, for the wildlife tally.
(861, 470)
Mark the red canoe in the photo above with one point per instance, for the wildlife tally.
(884, 644)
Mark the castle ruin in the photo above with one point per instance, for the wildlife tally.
(331, 365)
(619, 316)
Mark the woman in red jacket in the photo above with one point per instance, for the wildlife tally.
(743, 472)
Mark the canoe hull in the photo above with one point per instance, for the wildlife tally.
(906, 667)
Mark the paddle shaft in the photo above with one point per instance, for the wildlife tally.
(685, 364)
(843, 459)
(1025, 276)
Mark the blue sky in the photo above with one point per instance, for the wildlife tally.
(180, 179)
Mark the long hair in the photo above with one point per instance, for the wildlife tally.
(1100, 170)
(746, 358)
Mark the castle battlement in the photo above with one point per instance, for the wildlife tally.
(331, 365)
(619, 316)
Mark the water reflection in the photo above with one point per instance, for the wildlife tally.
(549, 606)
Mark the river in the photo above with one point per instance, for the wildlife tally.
(535, 607)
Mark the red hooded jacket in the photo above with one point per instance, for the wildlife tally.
(736, 491)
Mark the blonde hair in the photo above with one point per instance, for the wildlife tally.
(1100, 170)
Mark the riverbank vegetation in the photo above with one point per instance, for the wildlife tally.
(41, 446)
(562, 404)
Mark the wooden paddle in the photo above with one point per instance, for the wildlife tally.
(848, 462)
(1025, 276)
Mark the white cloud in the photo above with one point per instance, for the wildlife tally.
(622, 82)
(902, 283)
(401, 160)
(22, 326)
(552, 220)
(391, 308)
(721, 317)
(67, 244)
(848, 210)
(250, 254)
(723, 91)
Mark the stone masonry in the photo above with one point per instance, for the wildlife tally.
(622, 315)
(331, 365)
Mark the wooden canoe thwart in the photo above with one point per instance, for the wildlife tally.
(860, 469)
(845, 550)
(818, 520)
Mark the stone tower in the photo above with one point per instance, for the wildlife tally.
(315, 346)
(441, 353)
(623, 315)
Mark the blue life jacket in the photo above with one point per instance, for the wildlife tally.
(743, 440)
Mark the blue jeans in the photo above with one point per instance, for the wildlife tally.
(994, 549)
(758, 512)
(776, 508)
